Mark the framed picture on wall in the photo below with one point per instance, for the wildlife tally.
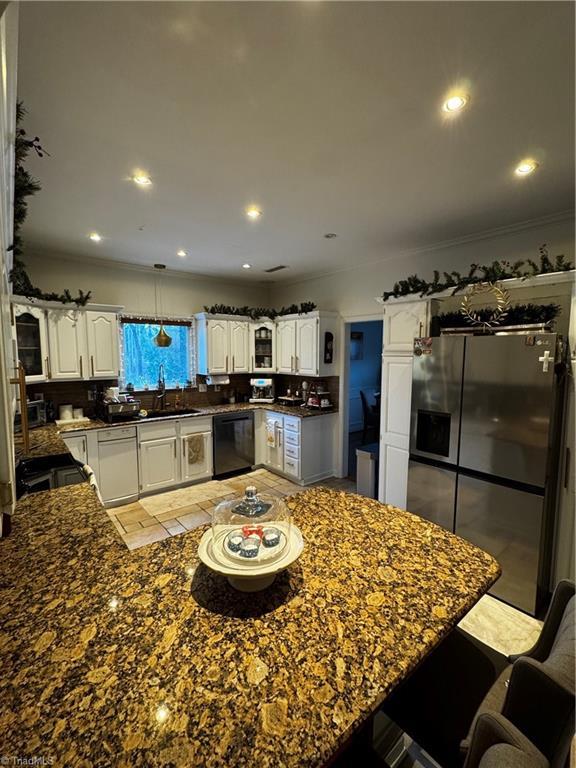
(356, 345)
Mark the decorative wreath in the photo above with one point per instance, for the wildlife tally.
(500, 311)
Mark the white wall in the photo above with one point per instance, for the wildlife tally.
(182, 293)
(352, 292)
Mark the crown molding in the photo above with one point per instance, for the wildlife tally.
(473, 237)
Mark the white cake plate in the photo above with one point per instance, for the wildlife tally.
(251, 578)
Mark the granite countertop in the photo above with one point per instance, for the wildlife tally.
(46, 440)
(278, 679)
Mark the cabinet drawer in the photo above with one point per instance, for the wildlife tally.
(292, 423)
(156, 430)
(117, 433)
(291, 451)
(292, 438)
(292, 467)
(195, 424)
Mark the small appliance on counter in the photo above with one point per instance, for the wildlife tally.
(291, 400)
(318, 397)
(116, 406)
(36, 415)
(252, 538)
(262, 390)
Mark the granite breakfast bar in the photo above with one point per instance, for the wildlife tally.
(145, 658)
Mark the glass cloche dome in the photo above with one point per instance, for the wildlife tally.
(251, 530)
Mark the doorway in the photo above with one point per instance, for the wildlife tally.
(364, 364)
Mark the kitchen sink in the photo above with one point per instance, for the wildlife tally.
(154, 413)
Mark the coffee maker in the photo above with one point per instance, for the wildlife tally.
(262, 390)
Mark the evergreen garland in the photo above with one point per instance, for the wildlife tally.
(26, 185)
(521, 314)
(497, 270)
(255, 313)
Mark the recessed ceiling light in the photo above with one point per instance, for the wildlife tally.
(246, 266)
(526, 167)
(455, 103)
(142, 179)
(181, 253)
(253, 212)
(95, 237)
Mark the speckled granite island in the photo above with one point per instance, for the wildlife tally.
(112, 658)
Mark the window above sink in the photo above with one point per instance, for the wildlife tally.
(141, 357)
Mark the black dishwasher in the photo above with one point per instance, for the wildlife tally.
(233, 443)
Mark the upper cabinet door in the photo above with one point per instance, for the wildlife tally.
(67, 342)
(218, 344)
(102, 328)
(307, 347)
(286, 340)
(263, 347)
(239, 346)
(32, 342)
(402, 324)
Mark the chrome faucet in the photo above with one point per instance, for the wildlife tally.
(160, 396)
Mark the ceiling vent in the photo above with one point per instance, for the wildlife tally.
(275, 269)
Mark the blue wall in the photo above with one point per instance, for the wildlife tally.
(365, 373)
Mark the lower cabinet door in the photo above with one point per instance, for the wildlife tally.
(158, 463)
(196, 452)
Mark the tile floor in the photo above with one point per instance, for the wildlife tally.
(171, 513)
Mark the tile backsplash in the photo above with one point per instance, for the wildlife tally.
(77, 393)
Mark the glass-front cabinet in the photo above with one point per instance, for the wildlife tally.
(32, 342)
(263, 347)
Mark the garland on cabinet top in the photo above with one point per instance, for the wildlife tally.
(521, 314)
(26, 185)
(497, 270)
(255, 313)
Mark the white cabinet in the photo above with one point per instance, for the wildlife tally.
(196, 452)
(302, 449)
(218, 346)
(165, 452)
(286, 346)
(403, 322)
(32, 341)
(67, 343)
(239, 332)
(306, 344)
(223, 344)
(263, 347)
(158, 463)
(307, 360)
(76, 444)
(395, 427)
(102, 337)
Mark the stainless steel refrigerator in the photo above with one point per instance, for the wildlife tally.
(485, 424)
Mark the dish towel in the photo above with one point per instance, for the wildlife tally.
(91, 477)
(271, 434)
(195, 445)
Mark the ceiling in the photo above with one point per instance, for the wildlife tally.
(325, 115)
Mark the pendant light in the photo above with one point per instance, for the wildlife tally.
(162, 339)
